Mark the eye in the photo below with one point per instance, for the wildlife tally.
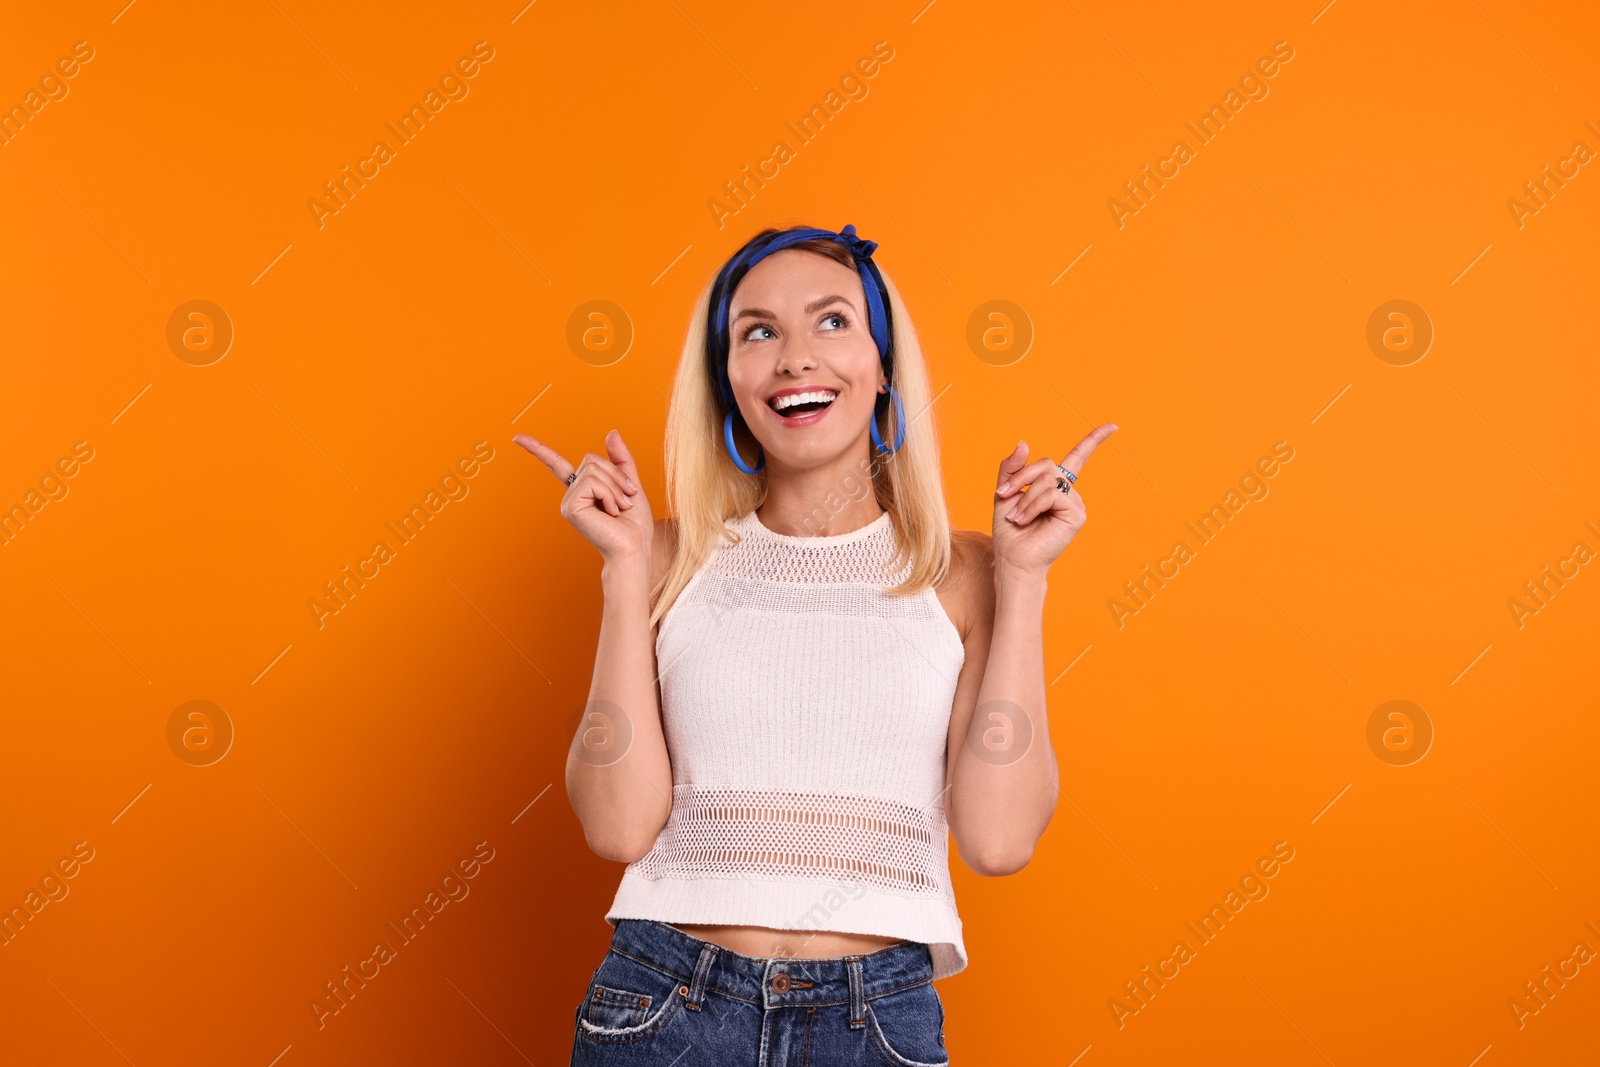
(752, 328)
(844, 320)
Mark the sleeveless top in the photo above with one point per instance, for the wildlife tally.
(806, 714)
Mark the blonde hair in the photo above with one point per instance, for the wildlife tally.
(705, 489)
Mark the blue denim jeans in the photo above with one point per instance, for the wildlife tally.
(661, 997)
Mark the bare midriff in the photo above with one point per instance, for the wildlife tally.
(764, 942)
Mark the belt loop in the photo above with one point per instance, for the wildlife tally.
(858, 1000)
(697, 984)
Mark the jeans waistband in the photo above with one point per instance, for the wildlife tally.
(836, 980)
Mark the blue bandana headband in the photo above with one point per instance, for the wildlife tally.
(733, 273)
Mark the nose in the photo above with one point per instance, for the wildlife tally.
(795, 361)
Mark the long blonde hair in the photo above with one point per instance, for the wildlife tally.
(705, 489)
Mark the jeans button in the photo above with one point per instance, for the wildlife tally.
(780, 983)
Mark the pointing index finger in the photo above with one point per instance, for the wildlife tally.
(1085, 448)
(547, 455)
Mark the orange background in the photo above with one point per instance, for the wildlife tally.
(371, 353)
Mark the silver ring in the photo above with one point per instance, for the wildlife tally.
(1071, 478)
(572, 477)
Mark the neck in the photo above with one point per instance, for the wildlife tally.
(819, 501)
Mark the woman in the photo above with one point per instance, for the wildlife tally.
(844, 681)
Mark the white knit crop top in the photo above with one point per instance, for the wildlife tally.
(806, 714)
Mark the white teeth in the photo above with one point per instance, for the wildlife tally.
(801, 398)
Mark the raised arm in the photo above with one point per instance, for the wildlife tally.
(618, 776)
(1004, 782)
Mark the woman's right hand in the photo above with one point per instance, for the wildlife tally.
(605, 502)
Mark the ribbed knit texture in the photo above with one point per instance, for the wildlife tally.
(806, 714)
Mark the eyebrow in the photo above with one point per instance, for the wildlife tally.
(815, 305)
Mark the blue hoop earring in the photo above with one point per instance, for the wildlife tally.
(733, 451)
(899, 425)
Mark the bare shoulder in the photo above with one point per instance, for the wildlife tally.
(663, 548)
(967, 591)
(972, 541)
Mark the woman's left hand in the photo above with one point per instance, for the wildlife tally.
(1046, 519)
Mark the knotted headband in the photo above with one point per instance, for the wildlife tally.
(760, 248)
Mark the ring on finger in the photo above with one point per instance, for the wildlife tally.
(572, 477)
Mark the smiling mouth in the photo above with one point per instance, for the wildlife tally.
(799, 406)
